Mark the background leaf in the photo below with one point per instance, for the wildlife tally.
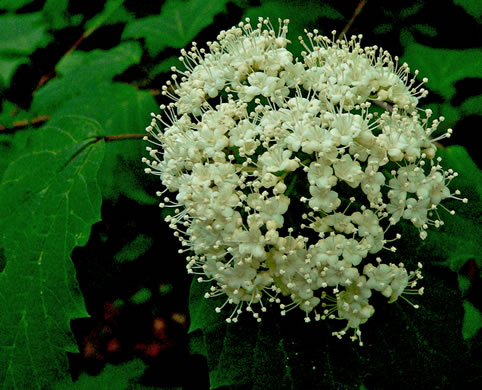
(134, 249)
(459, 239)
(121, 109)
(85, 87)
(113, 12)
(443, 68)
(311, 10)
(20, 35)
(178, 23)
(81, 72)
(435, 347)
(112, 378)
(472, 321)
(48, 201)
(401, 345)
(12, 5)
(398, 340)
(473, 7)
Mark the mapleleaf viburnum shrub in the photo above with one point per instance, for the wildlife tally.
(290, 174)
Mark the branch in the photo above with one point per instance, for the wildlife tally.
(357, 11)
(383, 105)
(23, 124)
(123, 137)
(45, 78)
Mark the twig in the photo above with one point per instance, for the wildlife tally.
(123, 137)
(45, 78)
(383, 105)
(357, 11)
(23, 124)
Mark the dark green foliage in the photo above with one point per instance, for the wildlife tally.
(56, 171)
(49, 200)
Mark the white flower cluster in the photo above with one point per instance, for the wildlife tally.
(288, 174)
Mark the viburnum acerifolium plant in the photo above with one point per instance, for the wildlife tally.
(287, 176)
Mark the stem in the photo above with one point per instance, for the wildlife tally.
(23, 124)
(45, 78)
(357, 11)
(123, 137)
(383, 105)
(120, 137)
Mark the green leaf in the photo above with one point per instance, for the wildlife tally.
(55, 13)
(113, 12)
(80, 72)
(112, 377)
(11, 113)
(134, 249)
(141, 296)
(49, 198)
(179, 22)
(165, 66)
(459, 240)
(443, 67)
(85, 87)
(401, 344)
(472, 7)
(22, 34)
(472, 321)
(122, 171)
(10, 147)
(310, 10)
(472, 106)
(13, 5)
(8, 66)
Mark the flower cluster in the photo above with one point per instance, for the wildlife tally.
(289, 173)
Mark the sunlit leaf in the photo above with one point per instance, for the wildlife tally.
(49, 199)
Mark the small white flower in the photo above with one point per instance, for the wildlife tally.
(349, 171)
(263, 155)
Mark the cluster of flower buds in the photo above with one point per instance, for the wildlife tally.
(286, 175)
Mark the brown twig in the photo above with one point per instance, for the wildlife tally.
(357, 11)
(23, 124)
(383, 105)
(45, 78)
(123, 137)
